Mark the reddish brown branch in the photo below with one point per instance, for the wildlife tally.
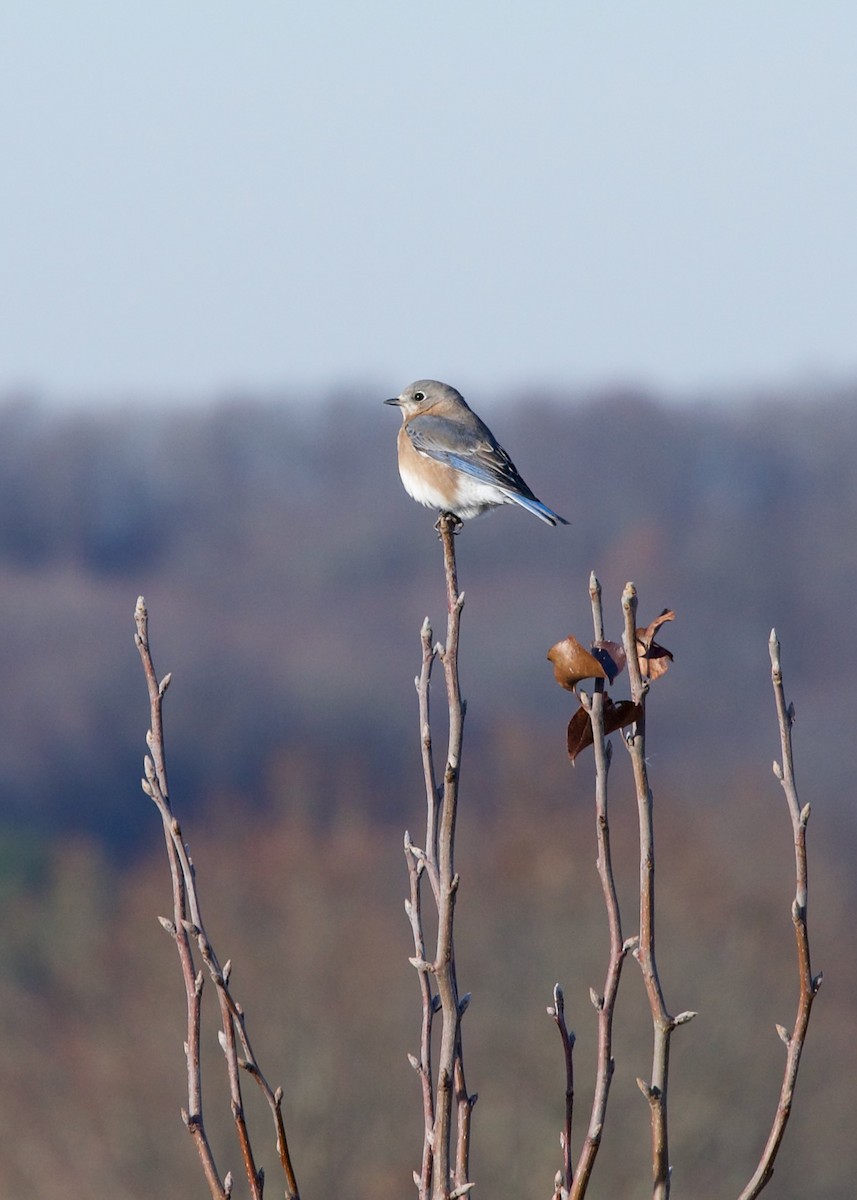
(187, 926)
(808, 983)
(444, 1172)
(557, 1011)
(655, 1090)
(605, 1004)
(572, 1180)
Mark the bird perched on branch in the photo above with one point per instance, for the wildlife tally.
(450, 460)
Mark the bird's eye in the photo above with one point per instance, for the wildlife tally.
(419, 397)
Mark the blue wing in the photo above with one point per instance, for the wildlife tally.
(475, 453)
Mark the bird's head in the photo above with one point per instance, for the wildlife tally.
(427, 395)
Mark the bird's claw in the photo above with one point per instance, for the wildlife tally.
(455, 523)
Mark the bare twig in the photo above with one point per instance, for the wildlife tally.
(155, 786)
(606, 1003)
(186, 925)
(557, 1011)
(663, 1024)
(572, 1181)
(443, 1174)
(809, 984)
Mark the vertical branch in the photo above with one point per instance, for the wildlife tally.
(446, 1102)
(808, 984)
(605, 1004)
(450, 1072)
(188, 925)
(564, 1177)
(420, 863)
(155, 786)
(663, 1024)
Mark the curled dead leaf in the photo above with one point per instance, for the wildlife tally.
(611, 656)
(573, 662)
(654, 660)
(616, 716)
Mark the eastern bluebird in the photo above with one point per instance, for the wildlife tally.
(450, 460)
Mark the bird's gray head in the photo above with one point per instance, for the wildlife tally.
(425, 395)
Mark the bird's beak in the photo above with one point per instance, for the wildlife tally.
(394, 400)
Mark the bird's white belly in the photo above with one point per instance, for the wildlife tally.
(456, 492)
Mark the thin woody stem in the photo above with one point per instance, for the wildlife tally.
(444, 1171)
(663, 1024)
(186, 926)
(155, 786)
(808, 983)
(422, 863)
(606, 1003)
(450, 1071)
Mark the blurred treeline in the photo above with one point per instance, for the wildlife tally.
(287, 576)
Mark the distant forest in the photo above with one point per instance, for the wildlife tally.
(287, 576)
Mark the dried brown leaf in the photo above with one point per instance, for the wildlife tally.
(611, 656)
(654, 659)
(573, 662)
(616, 716)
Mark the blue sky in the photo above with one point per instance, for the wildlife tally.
(203, 196)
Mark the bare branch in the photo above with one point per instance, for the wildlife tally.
(443, 1173)
(663, 1024)
(450, 1073)
(607, 1002)
(808, 984)
(187, 925)
(422, 1065)
(155, 785)
(557, 1011)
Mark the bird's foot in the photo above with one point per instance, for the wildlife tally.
(455, 523)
